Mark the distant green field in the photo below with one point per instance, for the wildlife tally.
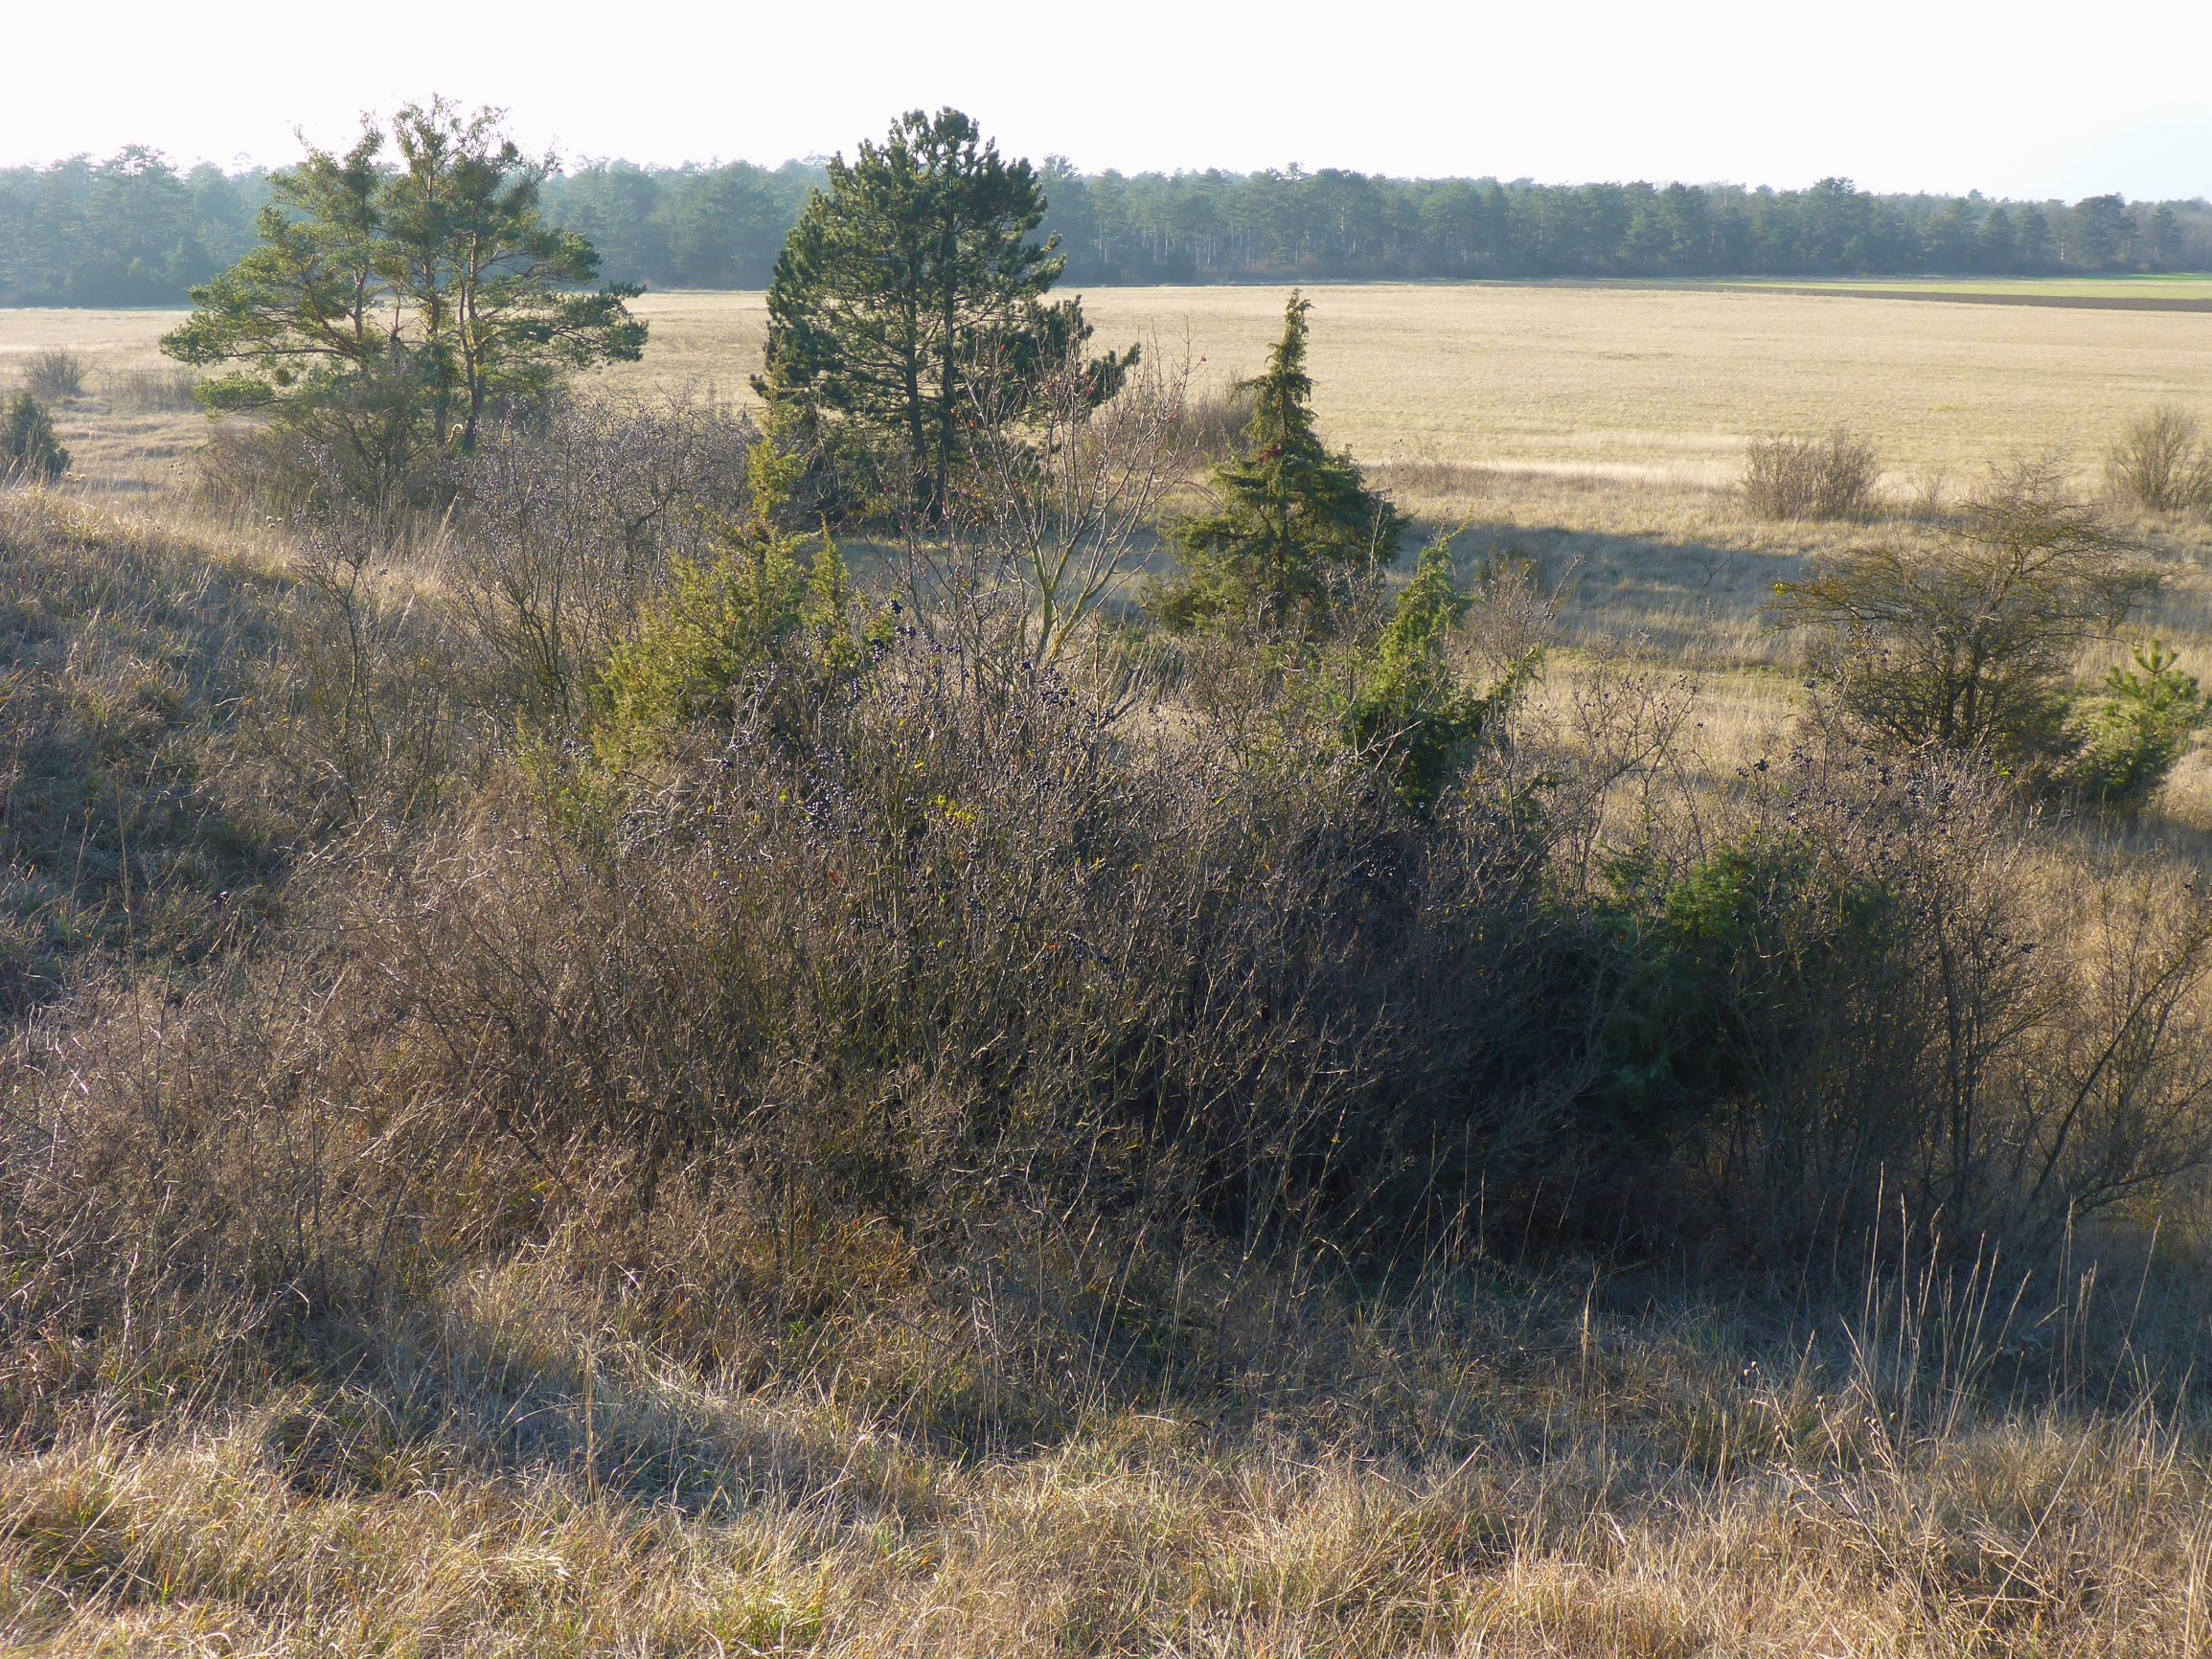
(2160, 293)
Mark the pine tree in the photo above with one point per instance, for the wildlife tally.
(389, 310)
(912, 272)
(1294, 520)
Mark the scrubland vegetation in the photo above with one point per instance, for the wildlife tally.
(775, 1028)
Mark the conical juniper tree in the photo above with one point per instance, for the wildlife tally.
(29, 453)
(916, 262)
(1410, 710)
(1295, 519)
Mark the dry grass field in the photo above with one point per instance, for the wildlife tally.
(1655, 383)
(1597, 429)
(1649, 384)
(1603, 425)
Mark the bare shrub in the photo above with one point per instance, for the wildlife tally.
(1874, 999)
(1624, 761)
(245, 472)
(260, 471)
(1804, 478)
(1217, 420)
(54, 374)
(565, 523)
(363, 448)
(1974, 648)
(811, 985)
(1260, 998)
(947, 959)
(1055, 507)
(1929, 500)
(374, 683)
(2162, 462)
(190, 1143)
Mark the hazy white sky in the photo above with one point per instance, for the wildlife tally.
(2023, 99)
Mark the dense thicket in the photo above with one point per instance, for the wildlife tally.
(133, 230)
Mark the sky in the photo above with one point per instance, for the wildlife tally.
(2021, 99)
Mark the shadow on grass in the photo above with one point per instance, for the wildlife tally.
(124, 662)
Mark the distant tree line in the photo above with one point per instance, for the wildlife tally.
(133, 230)
(127, 231)
(1228, 227)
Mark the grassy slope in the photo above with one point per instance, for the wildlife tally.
(1494, 1463)
(125, 654)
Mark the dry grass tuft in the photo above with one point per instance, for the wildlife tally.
(1559, 1476)
(153, 390)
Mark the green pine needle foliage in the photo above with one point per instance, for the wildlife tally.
(29, 449)
(908, 305)
(1410, 708)
(1295, 519)
(402, 295)
(2136, 731)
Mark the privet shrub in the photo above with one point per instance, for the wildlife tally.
(1802, 478)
